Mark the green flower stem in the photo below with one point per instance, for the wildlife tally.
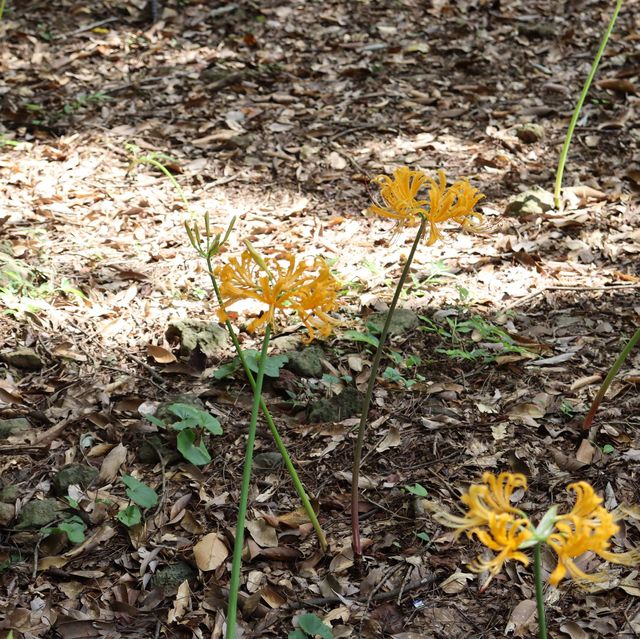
(357, 454)
(306, 503)
(578, 109)
(537, 577)
(234, 585)
(588, 420)
(161, 167)
(3, 3)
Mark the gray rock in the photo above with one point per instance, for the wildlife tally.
(36, 514)
(170, 577)
(306, 363)
(196, 334)
(403, 321)
(335, 409)
(535, 201)
(530, 133)
(73, 474)
(13, 426)
(24, 358)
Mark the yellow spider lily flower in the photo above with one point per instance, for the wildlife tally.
(287, 285)
(400, 195)
(491, 498)
(505, 530)
(504, 534)
(587, 527)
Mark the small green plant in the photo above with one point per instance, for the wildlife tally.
(141, 495)
(272, 366)
(310, 626)
(192, 424)
(73, 528)
(472, 339)
(583, 95)
(83, 101)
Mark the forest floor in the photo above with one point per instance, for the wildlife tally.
(280, 114)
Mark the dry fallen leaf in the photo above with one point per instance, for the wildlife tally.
(210, 552)
(160, 354)
(181, 603)
(112, 462)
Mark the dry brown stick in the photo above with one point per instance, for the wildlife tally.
(568, 287)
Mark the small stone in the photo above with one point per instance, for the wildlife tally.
(13, 426)
(9, 494)
(306, 363)
(535, 201)
(208, 337)
(264, 462)
(36, 514)
(334, 409)
(530, 133)
(73, 474)
(403, 321)
(7, 513)
(170, 577)
(24, 358)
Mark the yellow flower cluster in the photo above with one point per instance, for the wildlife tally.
(506, 531)
(281, 285)
(400, 195)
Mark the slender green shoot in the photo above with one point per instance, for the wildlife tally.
(537, 577)
(234, 585)
(597, 400)
(357, 455)
(3, 4)
(578, 109)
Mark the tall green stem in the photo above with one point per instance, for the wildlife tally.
(537, 577)
(3, 3)
(578, 109)
(597, 400)
(357, 454)
(306, 503)
(234, 585)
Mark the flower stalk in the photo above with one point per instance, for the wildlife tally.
(234, 585)
(537, 578)
(403, 204)
(375, 365)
